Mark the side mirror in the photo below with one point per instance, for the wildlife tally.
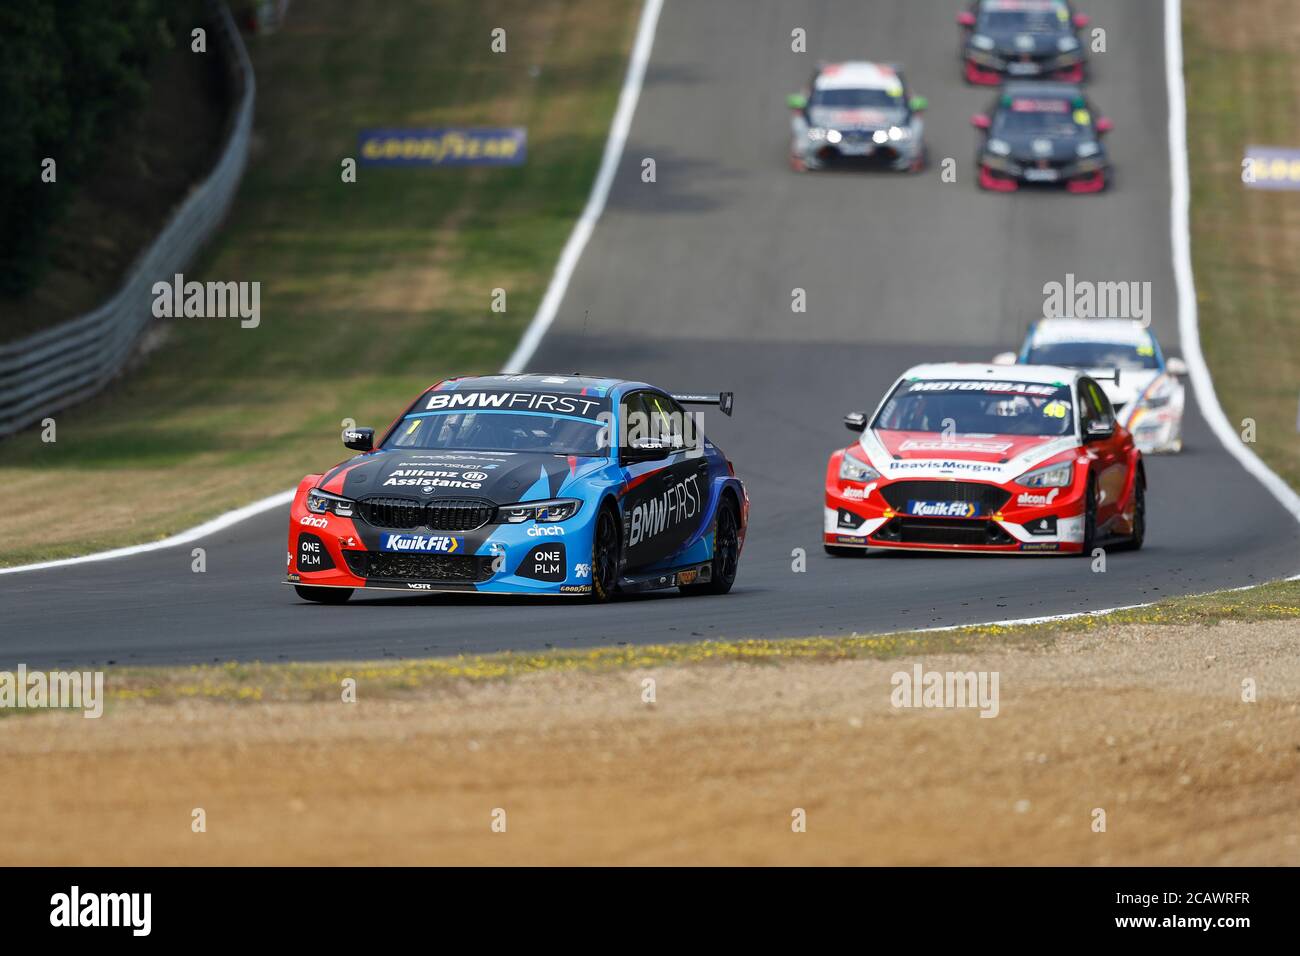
(645, 449)
(981, 121)
(1098, 431)
(359, 439)
(1081, 20)
(966, 19)
(1005, 358)
(1175, 366)
(855, 421)
(796, 101)
(919, 104)
(1105, 125)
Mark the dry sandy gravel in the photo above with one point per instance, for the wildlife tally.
(1144, 722)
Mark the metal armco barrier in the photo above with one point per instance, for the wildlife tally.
(65, 364)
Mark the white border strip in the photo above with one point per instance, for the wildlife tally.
(1048, 618)
(582, 229)
(1188, 330)
(219, 523)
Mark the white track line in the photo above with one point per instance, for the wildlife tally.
(219, 523)
(1188, 329)
(618, 131)
(582, 229)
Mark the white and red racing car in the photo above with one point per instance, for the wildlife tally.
(971, 457)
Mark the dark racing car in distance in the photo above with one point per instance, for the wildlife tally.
(525, 484)
(1019, 39)
(1042, 134)
(1024, 459)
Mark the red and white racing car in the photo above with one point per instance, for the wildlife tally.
(970, 457)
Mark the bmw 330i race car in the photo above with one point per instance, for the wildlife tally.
(1145, 391)
(857, 114)
(1021, 39)
(968, 457)
(525, 484)
(1042, 134)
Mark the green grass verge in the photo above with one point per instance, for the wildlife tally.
(370, 291)
(1243, 87)
(395, 679)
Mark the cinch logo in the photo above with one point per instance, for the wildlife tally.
(422, 543)
(102, 909)
(312, 521)
(545, 531)
(942, 509)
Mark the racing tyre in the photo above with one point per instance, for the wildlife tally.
(726, 553)
(323, 595)
(1090, 518)
(837, 552)
(1134, 543)
(604, 556)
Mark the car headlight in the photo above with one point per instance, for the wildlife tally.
(816, 133)
(323, 502)
(999, 147)
(854, 469)
(1067, 44)
(980, 42)
(557, 509)
(833, 136)
(1053, 476)
(897, 132)
(1087, 149)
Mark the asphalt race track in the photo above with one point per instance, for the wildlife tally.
(688, 281)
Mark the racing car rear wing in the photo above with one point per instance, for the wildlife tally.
(1111, 376)
(723, 400)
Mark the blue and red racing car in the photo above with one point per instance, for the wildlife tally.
(525, 484)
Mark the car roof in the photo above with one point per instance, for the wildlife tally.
(1042, 90)
(558, 384)
(1126, 331)
(856, 75)
(984, 372)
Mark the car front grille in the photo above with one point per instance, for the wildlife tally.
(433, 568)
(990, 498)
(942, 531)
(445, 514)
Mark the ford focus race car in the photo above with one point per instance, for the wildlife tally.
(1042, 134)
(1020, 39)
(1145, 393)
(966, 457)
(857, 113)
(525, 484)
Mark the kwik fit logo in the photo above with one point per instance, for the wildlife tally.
(942, 509)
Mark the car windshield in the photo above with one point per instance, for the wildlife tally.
(856, 99)
(499, 431)
(505, 420)
(1123, 355)
(957, 407)
(1051, 118)
(1023, 16)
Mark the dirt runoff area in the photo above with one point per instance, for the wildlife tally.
(1127, 744)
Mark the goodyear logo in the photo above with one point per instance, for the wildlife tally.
(1271, 167)
(453, 146)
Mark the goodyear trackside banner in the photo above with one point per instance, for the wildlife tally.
(1271, 167)
(451, 146)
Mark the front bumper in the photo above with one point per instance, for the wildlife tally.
(991, 69)
(1030, 521)
(1002, 174)
(528, 558)
(900, 155)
